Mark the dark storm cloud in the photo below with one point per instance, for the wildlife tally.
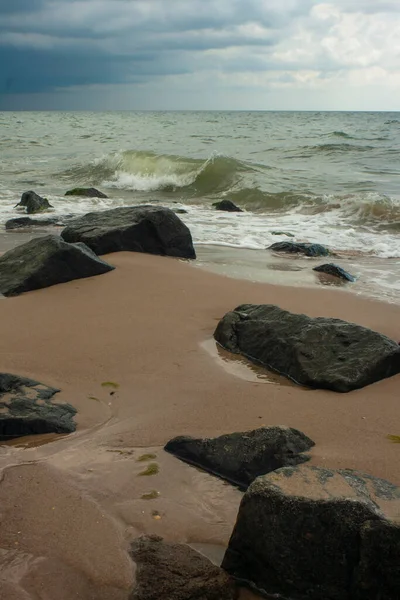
(46, 45)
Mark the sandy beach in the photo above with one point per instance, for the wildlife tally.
(71, 505)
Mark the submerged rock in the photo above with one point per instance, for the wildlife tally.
(26, 408)
(336, 271)
(20, 222)
(282, 233)
(317, 352)
(309, 533)
(46, 261)
(168, 571)
(241, 457)
(86, 193)
(151, 229)
(227, 205)
(300, 248)
(33, 203)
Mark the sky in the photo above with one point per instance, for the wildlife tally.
(199, 55)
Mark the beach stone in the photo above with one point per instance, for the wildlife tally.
(33, 203)
(309, 533)
(241, 457)
(317, 352)
(151, 229)
(46, 261)
(336, 271)
(167, 571)
(299, 248)
(282, 233)
(20, 222)
(227, 205)
(86, 192)
(26, 408)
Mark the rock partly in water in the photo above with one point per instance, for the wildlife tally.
(336, 271)
(33, 203)
(241, 457)
(46, 261)
(227, 205)
(26, 408)
(151, 229)
(317, 352)
(300, 248)
(86, 193)
(168, 571)
(308, 533)
(21, 222)
(180, 211)
(282, 233)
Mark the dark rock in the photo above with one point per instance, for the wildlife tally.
(28, 222)
(300, 248)
(86, 193)
(241, 457)
(168, 571)
(227, 206)
(317, 352)
(282, 233)
(309, 533)
(151, 229)
(180, 211)
(46, 261)
(336, 271)
(26, 408)
(33, 203)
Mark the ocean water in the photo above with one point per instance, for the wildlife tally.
(330, 178)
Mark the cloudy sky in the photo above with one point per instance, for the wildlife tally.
(200, 54)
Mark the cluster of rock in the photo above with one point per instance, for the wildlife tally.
(302, 532)
(52, 259)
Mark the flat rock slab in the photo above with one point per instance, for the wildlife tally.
(150, 229)
(241, 457)
(299, 248)
(33, 203)
(26, 408)
(335, 271)
(86, 193)
(168, 571)
(317, 352)
(308, 533)
(46, 261)
(29, 222)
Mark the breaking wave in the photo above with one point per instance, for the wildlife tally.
(200, 181)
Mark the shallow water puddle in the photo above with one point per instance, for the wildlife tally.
(239, 366)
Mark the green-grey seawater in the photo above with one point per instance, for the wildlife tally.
(330, 178)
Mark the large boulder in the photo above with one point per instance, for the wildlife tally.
(317, 352)
(227, 206)
(299, 248)
(309, 533)
(33, 203)
(46, 261)
(241, 457)
(168, 571)
(86, 193)
(26, 408)
(151, 229)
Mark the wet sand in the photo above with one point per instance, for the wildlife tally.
(70, 507)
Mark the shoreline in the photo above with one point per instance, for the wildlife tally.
(376, 277)
(142, 327)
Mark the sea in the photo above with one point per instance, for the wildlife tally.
(331, 178)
